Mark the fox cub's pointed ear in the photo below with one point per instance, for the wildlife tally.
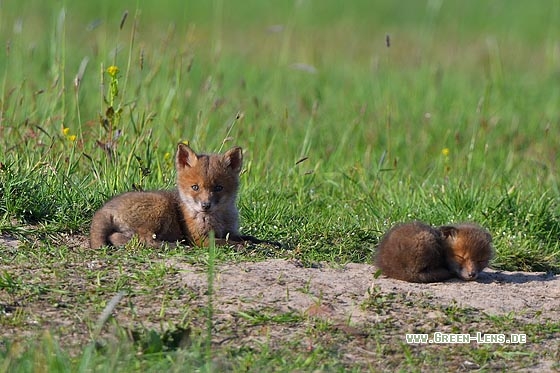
(233, 159)
(186, 157)
(448, 231)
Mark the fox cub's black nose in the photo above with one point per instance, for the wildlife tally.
(473, 275)
(205, 205)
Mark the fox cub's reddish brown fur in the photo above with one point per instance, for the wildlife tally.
(204, 201)
(417, 252)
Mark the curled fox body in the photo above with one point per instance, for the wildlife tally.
(204, 201)
(417, 252)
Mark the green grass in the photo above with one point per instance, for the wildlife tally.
(343, 134)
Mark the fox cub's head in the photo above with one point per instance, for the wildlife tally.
(208, 182)
(469, 249)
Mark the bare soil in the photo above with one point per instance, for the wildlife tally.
(287, 286)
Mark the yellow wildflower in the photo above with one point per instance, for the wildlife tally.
(112, 71)
(66, 133)
(445, 152)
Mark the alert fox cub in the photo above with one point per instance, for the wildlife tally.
(417, 252)
(204, 201)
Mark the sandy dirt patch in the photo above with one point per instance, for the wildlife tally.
(287, 286)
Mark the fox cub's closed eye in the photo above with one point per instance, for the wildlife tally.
(195, 187)
(218, 188)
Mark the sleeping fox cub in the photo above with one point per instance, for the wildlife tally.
(417, 252)
(204, 201)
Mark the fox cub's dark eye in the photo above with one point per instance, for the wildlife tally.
(195, 187)
(218, 188)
